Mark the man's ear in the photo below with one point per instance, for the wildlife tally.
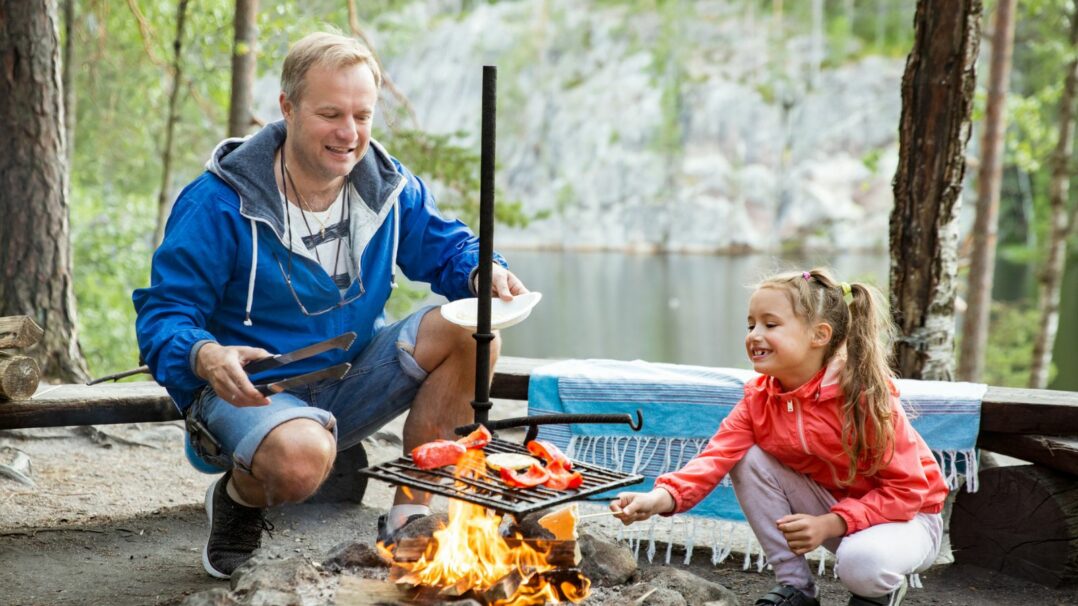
(286, 106)
(821, 334)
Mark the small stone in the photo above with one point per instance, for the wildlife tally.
(696, 590)
(353, 555)
(218, 596)
(606, 564)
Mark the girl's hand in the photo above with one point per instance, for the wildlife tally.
(805, 533)
(632, 507)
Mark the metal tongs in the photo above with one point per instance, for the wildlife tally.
(343, 341)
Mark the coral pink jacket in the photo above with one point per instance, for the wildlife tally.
(803, 429)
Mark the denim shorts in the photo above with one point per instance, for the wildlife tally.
(381, 384)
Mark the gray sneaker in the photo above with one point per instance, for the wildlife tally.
(892, 599)
(235, 531)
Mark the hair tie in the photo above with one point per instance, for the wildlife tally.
(846, 290)
(806, 275)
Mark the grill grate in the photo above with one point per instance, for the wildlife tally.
(490, 491)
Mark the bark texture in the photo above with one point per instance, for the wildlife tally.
(1051, 277)
(35, 246)
(244, 62)
(937, 99)
(985, 227)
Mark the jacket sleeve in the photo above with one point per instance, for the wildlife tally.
(901, 486)
(190, 269)
(433, 249)
(693, 482)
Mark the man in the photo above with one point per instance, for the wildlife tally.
(291, 237)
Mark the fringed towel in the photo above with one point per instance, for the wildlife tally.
(684, 405)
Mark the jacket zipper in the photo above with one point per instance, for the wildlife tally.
(800, 426)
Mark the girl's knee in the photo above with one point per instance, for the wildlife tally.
(755, 459)
(864, 569)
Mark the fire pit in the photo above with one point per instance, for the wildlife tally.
(470, 557)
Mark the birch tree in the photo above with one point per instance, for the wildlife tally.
(937, 100)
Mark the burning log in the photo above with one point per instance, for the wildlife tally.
(559, 554)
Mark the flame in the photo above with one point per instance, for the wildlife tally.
(471, 554)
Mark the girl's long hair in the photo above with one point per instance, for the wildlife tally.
(865, 326)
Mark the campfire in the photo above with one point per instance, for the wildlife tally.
(471, 558)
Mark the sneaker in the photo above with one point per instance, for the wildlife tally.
(387, 538)
(892, 599)
(235, 531)
(784, 595)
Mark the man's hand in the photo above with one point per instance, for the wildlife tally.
(504, 284)
(222, 367)
(805, 533)
(632, 507)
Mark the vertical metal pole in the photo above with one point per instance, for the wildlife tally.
(483, 336)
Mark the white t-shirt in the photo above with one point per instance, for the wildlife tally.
(325, 235)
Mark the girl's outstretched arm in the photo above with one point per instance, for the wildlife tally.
(632, 507)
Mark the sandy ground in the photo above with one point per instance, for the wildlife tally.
(115, 517)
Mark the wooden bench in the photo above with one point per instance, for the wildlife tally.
(1023, 521)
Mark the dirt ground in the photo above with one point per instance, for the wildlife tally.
(116, 518)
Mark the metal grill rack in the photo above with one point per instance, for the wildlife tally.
(490, 491)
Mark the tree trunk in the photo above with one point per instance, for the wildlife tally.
(937, 98)
(244, 62)
(982, 263)
(164, 198)
(1058, 198)
(35, 247)
(69, 78)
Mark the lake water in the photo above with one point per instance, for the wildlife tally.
(690, 309)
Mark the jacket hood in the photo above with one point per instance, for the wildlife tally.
(246, 164)
(824, 385)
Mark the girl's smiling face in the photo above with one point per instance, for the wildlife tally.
(779, 343)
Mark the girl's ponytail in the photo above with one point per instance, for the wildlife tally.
(867, 425)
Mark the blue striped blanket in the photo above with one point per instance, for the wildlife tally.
(684, 405)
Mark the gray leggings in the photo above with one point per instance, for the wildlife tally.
(870, 563)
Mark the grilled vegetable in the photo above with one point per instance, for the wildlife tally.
(549, 453)
(477, 439)
(561, 478)
(512, 460)
(535, 476)
(438, 453)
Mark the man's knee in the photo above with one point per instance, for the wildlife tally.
(294, 459)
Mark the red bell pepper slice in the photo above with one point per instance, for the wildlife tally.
(561, 478)
(535, 476)
(476, 440)
(438, 453)
(549, 453)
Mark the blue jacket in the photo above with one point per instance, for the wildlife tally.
(205, 287)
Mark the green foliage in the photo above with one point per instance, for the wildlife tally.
(111, 235)
(456, 170)
(1010, 345)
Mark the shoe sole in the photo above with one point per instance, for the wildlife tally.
(213, 572)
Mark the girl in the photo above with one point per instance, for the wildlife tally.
(809, 464)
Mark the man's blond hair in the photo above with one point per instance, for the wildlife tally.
(323, 49)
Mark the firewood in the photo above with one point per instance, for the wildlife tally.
(19, 376)
(354, 591)
(505, 587)
(559, 553)
(1023, 522)
(19, 331)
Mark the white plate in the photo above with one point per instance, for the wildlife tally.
(465, 312)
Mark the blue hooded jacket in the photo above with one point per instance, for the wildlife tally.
(221, 271)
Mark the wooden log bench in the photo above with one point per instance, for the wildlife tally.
(1004, 526)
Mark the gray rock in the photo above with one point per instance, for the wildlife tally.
(264, 572)
(529, 528)
(696, 590)
(272, 597)
(353, 555)
(218, 596)
(424, 527)
(606, 563)
(646, 595)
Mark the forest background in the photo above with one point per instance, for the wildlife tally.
(138, 137)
